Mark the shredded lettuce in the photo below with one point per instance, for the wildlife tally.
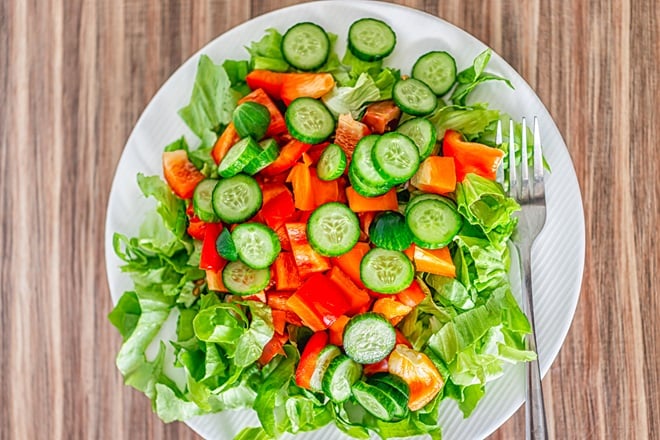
(474, 75)
(470, 121)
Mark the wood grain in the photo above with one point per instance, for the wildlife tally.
(74, 77)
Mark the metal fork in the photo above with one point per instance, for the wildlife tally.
(529, 191)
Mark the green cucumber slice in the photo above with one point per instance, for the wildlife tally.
(389, 230)
(203, 201)
(375, 401)
(309, 120)
(327, 354)
(386, 271)
(423, 134)
(395, 157)
(269, 152)
(370, 39)
(340, 376)
(433, 223)
(241, 279)
(368, 338)
(333, 229)
(332, 163)
(257, 245)
(306, 46)
(237, 198)
(436, 69)
(414, 97)
(251, 119)
(238, 156)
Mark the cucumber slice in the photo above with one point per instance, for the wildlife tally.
(433, 223)
(368, 338)
(333, 229)
(386, 271)
(375, 401)
(225, 246)
(237, 198)
(203, 201)
(340, 376)
(437, 69)
(414, 97)
(332, 163)
(389, 230)
(396, 389)
(423, 134)
(251, 119)
(240, 279)
(257, 245)
(395, 157)
(269, 152)
(327, 354)
(238, 156)
(306, 46)
(363, 165)
(309, 120)
(428, 196)
(363, 188)
(370, 39)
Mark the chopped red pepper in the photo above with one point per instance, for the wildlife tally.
(273, 348)
(313, 85)
(381, 116)
(224, 143)
(270, 82)
(278, 209)
(318, 302)
(307, 259)
(357, 298)
(324, 191)
(309, 357)
(471, 157)
(286, 272)
(349, 132)
(279, 321)
(412, 295)
(289, 155)
(196, 228)
(391, 309)
(301, 182)
(336, 330)
(210, 259)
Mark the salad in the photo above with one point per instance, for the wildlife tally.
(334, 250)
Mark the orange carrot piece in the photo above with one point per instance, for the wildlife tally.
(436, 174)
(358, 203)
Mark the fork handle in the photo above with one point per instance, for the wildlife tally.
(535, 423)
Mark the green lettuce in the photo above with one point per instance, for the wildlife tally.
(353, 100)
(267, 54)
(212, 101)
(470, 121)
(474, 75)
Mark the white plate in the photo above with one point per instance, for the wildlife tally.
(558, 255)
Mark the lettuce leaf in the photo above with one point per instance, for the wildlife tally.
(212, 101)
(267, 53)
(353, 100)
(470, 121)
(474, 75)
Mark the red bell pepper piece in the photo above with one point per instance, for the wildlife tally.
(210, 259)
(277, 124)
(381, 116)
(286, 272)
(471, 157)
(391, 309)
(350, 262)
(301, 181)
(289, 155)
(309, 357)
(273, 348)
(307, 259)
(180, 173)
(412, 295)
(279, 321)
(318, 302)
(278, 209)
(336, 330)
(270, 82)
(357, 298)
(196, 228)
(224, 143)
(276, 300)
(325, 190)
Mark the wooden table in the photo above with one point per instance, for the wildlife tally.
(74, 77)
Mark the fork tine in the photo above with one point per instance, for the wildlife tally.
(498, 141)
(538, 188)
(524, 164)
(513, 177)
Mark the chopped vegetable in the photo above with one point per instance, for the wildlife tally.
(471, 157)
(359, 203)
(180, 173)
